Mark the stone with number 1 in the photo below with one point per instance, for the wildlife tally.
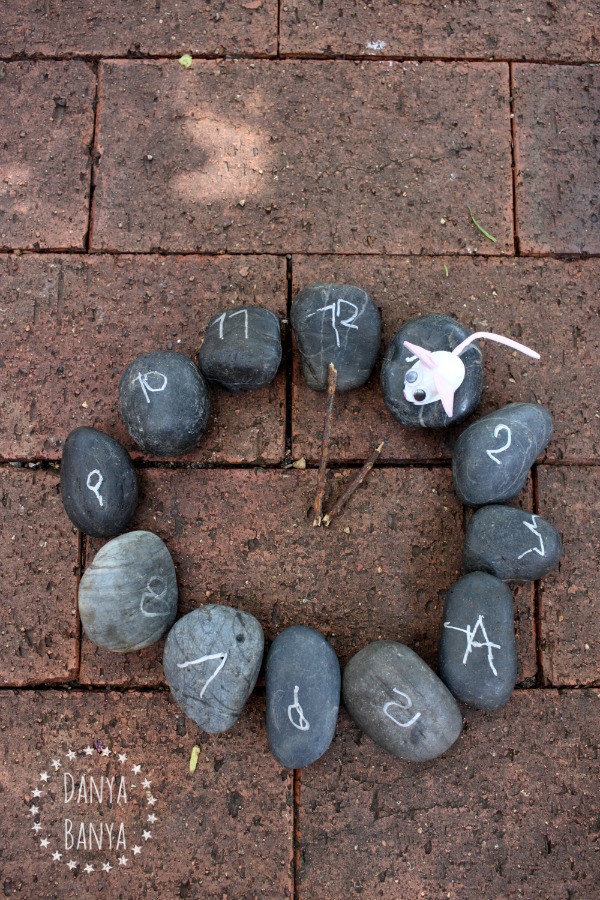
(212, 659)
(339, 324)
(395, 698)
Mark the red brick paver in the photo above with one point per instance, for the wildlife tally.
(529, 29)
(154, 27)
(509, 811)
(556, 147)
(312, 156)
(245, 539)
(46, 109)
(550, 305)
(70, 326)
(39, 559)
(223, 831)
(570, 630)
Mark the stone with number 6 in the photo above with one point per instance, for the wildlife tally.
(128, 595)
(395, 698)
(212, 659)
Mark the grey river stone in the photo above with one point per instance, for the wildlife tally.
(477, 656)
(165, 403)
(492, 457)
(128, 595)
(433, 332)
(511, 544)
(98, 484)
(212, 659)
(339, 324)
(303, 696)
(241, 350)
(395, 698)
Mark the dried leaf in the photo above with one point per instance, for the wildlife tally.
(185, 60)
(299, 463)
(194, 757)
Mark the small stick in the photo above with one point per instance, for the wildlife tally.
(321, 477)
(354, 484)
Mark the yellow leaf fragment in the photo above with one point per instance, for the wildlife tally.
(194, 757)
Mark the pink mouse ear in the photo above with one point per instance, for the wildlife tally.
(446, 392)
(422, 354)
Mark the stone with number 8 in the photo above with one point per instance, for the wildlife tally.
(339, 324)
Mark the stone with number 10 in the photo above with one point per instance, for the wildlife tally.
(492, 457)
(165, 403)
(395, 698)
(128, 595)
(212, 659)
(339, 324)
(241, 350)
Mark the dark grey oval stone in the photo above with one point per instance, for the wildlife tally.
(478, 656)
(303, 696)
(492, 457)
(395, 698)
(241, 350)
(339, 324)
(212, 659)
(511, 544)
(128, 595)
(165, 403)
(98, 484)
(433, 332)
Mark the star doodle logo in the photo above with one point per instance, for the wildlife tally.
(92, 810)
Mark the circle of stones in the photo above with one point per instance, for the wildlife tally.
(45, 779)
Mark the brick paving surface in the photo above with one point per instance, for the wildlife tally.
(307, 141)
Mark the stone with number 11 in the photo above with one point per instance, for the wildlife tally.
(241, 350)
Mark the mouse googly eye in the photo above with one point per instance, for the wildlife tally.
(411, 376)
(419, 396)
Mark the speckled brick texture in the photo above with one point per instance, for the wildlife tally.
(245, 539)
(39, 562)
(509, 811)
(526, 29)
(570, 630)
(154, 27)
(557, 111)
(47, 114)
(550, 305)
(93, 315)
(312, 156)
(223, 831)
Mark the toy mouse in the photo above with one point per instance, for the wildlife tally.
(437, 375)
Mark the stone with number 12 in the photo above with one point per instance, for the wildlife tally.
(212, 659)
(395, 698)
(492, 457)
(128, 595)
(241, 350)
(339, 324)
(165, 403)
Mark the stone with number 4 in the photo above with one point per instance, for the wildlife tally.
(395, 698)
(339, 324)
(98, 484)
(303, 696)
(212, 659)
(128, 595)
(492, 457)
(241, 350)
(165, 403)
(511, 544)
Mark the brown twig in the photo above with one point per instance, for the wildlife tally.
(354, 484)
(321, 477)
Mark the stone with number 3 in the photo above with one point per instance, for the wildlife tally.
(128, 595)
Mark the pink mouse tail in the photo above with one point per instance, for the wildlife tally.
(499, 339)
(422, 354)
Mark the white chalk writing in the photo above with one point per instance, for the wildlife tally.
(336, 313)
(406, 704)
(156, 583)
(144, 380)
(472, 643)
(533, 528)
(95, 487)
(302, 724)
(200, 660)
(497, 430)
(221, 320)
